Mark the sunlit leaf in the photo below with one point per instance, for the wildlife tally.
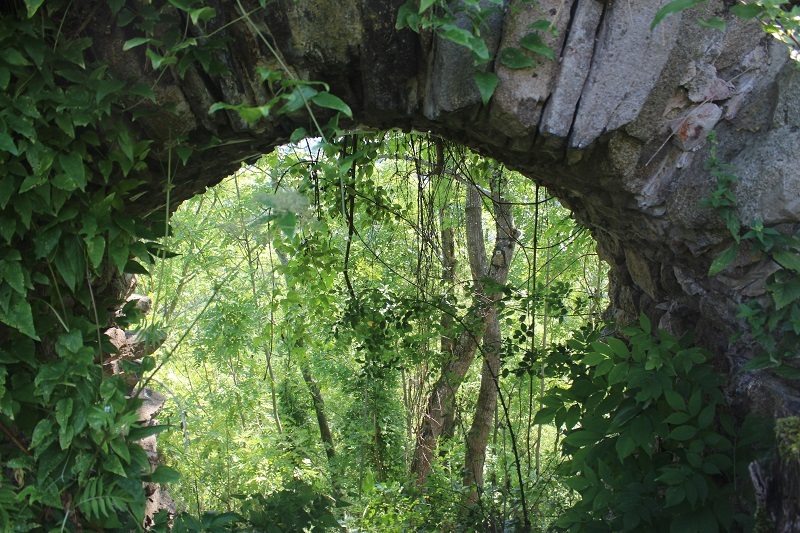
(515, 58)
(672, 8)
(487, 83)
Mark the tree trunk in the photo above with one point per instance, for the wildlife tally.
(319, 409)
(478, 436)
(316, 395)
(454, 371)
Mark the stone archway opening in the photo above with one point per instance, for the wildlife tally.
(616, 129)
(237, 226)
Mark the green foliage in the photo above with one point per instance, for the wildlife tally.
(464, 23)
(779, 18)
(774, 323)
(72, 459)
(289, 96)
(650, 443)
(295, 508)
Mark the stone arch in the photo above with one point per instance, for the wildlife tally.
(616, 128)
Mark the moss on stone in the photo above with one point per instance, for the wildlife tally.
(787, 431)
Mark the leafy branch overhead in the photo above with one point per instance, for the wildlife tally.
(464, 23)
(779, 18)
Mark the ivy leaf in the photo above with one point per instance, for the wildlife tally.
(675, 400)
(134, 267)
(298, 98)
(787, 259)
(785, 292)
(534, 43)
(119, 254)
(758, 362)
(618, 373)
(158, 60)
(326, 99)
(457, 35)
(683, 433)
(33, 6)
(165, 474)
(108, 87)
(19, 316)
(112, 464)
(581, 438)
(69, 262)
(625, 446)
(645, 323)
(184, 153)
(13, 57)
(202, 14)
(7, 144)
(96, 247)
(514, 58)
(424, 5)
(714, 23)
(120, 447)
(72, 163)
(269, 75)
(479, 49)
(724, 259)
(593, 358)
(619, 348)
(11, 273)
(747, 11)
(43, 433)
(544, 25)
(298, 135)
(487, 83)
(407, 16)
(133, 43)
(672, 8)
(146, 431)
(545, 415)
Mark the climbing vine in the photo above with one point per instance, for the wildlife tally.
(774, 321)
(466, 23)
(69, 431)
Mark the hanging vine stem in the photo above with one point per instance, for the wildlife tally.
(349, 214)
(532, 313)
(514, 448)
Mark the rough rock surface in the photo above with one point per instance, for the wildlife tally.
(616, 129)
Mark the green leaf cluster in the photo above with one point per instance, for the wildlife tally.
(463, 23)
(774, 324)
(290, 95)
(649, 440)
(70, 457)
(779, 18)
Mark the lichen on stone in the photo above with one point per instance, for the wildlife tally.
(787, 431)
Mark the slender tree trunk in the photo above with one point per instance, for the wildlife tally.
(478, 435)
(463, 351)
(545, 320)
(316, 395)
(319, 409)
(465, 346)
(446, 321)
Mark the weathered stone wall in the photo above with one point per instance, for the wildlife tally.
(615, 128)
